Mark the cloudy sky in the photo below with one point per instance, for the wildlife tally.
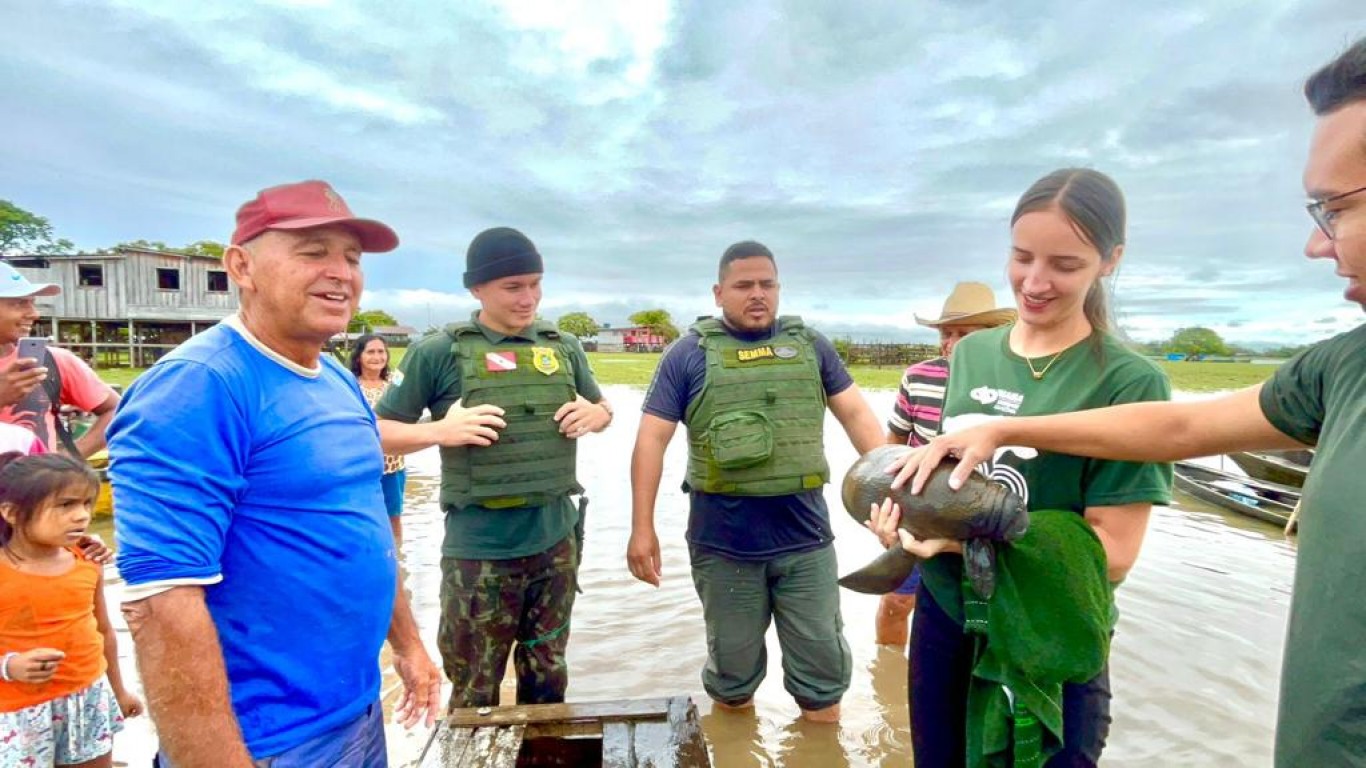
(877, 147)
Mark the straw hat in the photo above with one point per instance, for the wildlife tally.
(970, 304)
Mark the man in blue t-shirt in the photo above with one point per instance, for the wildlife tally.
(252, 530)
(752, 390)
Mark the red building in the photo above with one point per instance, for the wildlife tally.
(629, 339)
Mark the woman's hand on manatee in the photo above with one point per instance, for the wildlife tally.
(970, 446)
(882, 521)
(905, 466)
(929, 547)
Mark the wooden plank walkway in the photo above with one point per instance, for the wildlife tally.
(628, 733)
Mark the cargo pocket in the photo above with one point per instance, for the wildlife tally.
(740, 440)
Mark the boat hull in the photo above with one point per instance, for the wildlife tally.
(1259, 500)
(1283, 468)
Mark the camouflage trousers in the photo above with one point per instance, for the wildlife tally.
(488, 606)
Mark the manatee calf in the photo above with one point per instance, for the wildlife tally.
(980, 512)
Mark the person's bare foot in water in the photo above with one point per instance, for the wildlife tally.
(723, 706)
(830, 714)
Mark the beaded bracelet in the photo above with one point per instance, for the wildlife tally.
(4, 666)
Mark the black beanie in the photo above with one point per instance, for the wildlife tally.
(500, 252)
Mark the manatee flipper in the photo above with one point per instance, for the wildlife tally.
(979, 558)
(884, 574)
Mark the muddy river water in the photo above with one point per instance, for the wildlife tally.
(1194, 664)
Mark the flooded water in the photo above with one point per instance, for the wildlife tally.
(1194, 664)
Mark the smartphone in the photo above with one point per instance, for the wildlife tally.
(33, 347)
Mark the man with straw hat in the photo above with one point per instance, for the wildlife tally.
(915, 417)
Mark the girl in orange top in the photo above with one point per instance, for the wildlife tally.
(61, 695)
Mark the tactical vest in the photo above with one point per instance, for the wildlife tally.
(757, 428)
(531, 463)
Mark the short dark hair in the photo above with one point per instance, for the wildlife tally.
(745, 249)
(359, 350)
(26, 482)
(1340, 82)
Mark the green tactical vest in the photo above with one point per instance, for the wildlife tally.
(531, 463)
(757, 429)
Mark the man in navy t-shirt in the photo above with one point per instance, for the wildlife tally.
(752, 389)
(252, 530)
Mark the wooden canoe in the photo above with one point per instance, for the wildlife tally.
(1253, 498)
(1280, 467)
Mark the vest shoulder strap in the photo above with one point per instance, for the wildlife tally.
(454, 330)
(541, 328)
(547, 329)
(463, 330)
(790, 324)
(709, 327)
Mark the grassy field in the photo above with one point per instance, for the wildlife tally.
(1213, 377)
(635, 370)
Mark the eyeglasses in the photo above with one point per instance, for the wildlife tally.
(1325, 218)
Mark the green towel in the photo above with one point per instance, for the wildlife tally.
(1048, 623)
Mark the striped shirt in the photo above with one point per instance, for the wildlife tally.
(920, 401)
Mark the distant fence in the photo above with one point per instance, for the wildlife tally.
(874, 354)
(883, 355)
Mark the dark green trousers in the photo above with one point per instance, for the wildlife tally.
(796, 592)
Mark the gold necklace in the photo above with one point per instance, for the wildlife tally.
(1038, 375)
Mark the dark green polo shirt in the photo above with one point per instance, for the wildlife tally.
(431, 380)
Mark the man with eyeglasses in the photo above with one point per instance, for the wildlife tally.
(1324, 215)
(1318, 399)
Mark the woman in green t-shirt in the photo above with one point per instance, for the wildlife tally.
(1067, 235)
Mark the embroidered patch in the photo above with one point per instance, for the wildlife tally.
(500, 361)
(757, 353)
(543, 358)
(786, 353)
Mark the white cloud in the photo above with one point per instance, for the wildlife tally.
(589, 31)
(879, 152)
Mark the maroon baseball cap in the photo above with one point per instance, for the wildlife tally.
(308, 204)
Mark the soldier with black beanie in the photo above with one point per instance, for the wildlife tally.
(509, 395)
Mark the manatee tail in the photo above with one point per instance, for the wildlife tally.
(884, 574)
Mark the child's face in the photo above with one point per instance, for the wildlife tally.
(64, 517)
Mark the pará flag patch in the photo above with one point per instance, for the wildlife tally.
(500, 361)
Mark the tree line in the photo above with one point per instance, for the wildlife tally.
(24, 232)
(656, 321)
(1198, 342)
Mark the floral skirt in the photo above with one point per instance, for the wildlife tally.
(64, 731)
